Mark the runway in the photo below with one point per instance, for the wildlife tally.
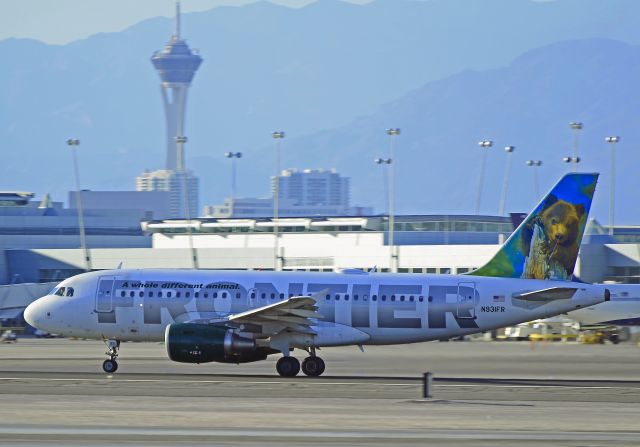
(52, 393)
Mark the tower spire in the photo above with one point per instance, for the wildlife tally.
(178, 20)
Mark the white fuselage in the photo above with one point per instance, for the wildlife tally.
(357, 308)
(623, 309)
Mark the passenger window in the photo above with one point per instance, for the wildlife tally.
(69, 291)
(238, 295)
(346, 297)
(141, 294)
(393, 297)
(187, 294)
(402, 298)
(168, 294)
(160, 294)
(150, 294)
(177, 294)
(411, 298)
(206, 295)
(355, 297)
(196, 294)
(282, 296)
(374, 298)
(328, 297)
(224, 294)
(132, 294)
(123, 293)
(263, 296)
(253, 294)
(215, 294)
(337, 297)
(364, 297)
(273, 295)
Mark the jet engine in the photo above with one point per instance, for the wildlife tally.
(202, 343)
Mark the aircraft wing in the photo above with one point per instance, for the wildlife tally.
(294, 314)
(550, 294)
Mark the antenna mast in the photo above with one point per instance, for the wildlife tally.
(177, 20)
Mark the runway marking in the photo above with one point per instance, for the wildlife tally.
(275, 382)
(45, 379)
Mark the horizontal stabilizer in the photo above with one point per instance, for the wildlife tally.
(550, 294)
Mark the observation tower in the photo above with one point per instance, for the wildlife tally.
(176, 65)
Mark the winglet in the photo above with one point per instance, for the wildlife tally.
(545, 245)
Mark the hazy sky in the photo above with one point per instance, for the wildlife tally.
(62, 21)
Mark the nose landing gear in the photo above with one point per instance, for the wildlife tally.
(110, 365)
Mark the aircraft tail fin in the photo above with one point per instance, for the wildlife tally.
(545, 245)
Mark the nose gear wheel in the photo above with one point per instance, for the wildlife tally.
(111, 365)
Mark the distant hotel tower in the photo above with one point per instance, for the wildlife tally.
(176, 64)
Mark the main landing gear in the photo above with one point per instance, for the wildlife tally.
(312, 366)
(110, 365)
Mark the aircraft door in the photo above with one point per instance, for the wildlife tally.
(466, 302)
(104, 294)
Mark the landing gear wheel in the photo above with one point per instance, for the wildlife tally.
(313, 366)
(110, 366)
(288, 366)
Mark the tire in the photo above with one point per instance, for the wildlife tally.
(110, 366)
(313, 366)
(288, 366)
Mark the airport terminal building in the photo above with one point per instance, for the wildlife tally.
(423, 244)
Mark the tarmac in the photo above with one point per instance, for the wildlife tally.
(53, 392)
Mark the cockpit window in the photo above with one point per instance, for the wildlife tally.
(62, 291)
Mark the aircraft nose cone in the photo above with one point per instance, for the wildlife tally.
(30, 314)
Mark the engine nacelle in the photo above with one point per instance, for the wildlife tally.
(202, 343)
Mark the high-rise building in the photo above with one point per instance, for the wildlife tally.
(174, 182)
(176, 65)
(308, 192)
(313, 187)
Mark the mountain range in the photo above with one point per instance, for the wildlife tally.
(334, 75)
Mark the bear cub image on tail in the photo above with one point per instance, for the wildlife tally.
(551, 240)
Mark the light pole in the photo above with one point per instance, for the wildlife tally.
(503, 198)
(484, 144)
(576, 126)
(182, 173)
(277, 136)
(233, 156)
(535, 164)
(73, 144)
(392, 132)
(571, 160)
(613, 141)
(382, 162)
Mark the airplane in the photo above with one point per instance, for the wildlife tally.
(622, 310)
(244, 316)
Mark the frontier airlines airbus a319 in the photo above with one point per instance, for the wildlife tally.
(244, 316)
